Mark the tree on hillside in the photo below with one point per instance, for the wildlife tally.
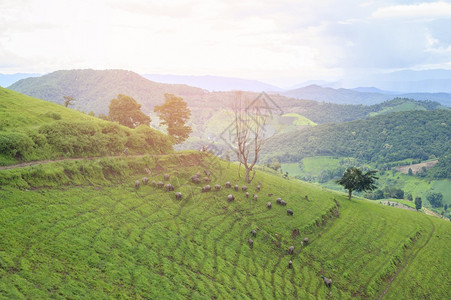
(175, 113)
(126, 111)
(418, 203)
(68, 100)
(436, 199)
(353, 179)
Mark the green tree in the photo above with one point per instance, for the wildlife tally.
(353, 179)
(276, 164)
(174, 113)
(126, 111)
(436, 199)
(418, 203)
(68, 100)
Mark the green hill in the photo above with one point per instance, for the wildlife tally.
(94, 89)
(380, 139)
(79, 229)
(33, 129)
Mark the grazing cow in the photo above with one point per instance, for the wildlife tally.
(306, 197)
(290, 264)
(283, 203)
(154, 183)
(279, 200)
(244, 188)
(251, 243)
(195, 180)
(206, 179)
(290, 250)
(166, 177)
(168, 187)
(217, 187)
(206, 188)
(230, 198)
(178, 195)
(327, 281)
(255, 197)
(254, 232)
(247, 194)
(306, 240)
(258, 188)
(270, 194)
(145, 180)
(289, 212)
(269, 205)
(228, 185)
(236, 187)
(207, 173)
(160, 184)
(137, 184)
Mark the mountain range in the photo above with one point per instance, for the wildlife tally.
(84, 85)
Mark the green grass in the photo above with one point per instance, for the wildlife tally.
(80, 230)
(311, 166)
(299, 120)
(33, 129)
(408, 106)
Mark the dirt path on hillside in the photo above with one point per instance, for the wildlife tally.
(416, 167)
(41, 162)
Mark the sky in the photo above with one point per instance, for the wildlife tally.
(282, 42)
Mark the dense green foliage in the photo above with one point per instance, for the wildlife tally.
(379, 139)
(32, 129)
(79, 229)
(126, 111)
(435, 199)
(321, 112)
(174, 113)
(442, 169)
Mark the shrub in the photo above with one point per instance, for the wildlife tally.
(16, 144)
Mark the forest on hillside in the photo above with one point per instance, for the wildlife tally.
(380, 139)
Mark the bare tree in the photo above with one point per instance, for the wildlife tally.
(249, 122)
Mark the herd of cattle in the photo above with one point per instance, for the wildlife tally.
(207, 188)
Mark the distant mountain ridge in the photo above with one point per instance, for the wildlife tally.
(215, 83)
(348, 96)
(8, 79)
(94, 89)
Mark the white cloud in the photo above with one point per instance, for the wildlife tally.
(288, 39)
(439, 9)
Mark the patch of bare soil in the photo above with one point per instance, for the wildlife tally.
(416, 167)
(396, 204)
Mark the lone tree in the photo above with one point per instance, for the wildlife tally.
(68, 100)
(125, 110)
(353, 179)
(249, 122)
(174, 113)
(418, 203)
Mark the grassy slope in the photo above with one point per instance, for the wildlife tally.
(93, 236)
(25, 112)
(51, 131)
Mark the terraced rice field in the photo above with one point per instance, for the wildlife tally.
(102, 238)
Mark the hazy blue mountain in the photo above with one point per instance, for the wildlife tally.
(411, 81)
(215, 83)
(348, 96)
(8, 79)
